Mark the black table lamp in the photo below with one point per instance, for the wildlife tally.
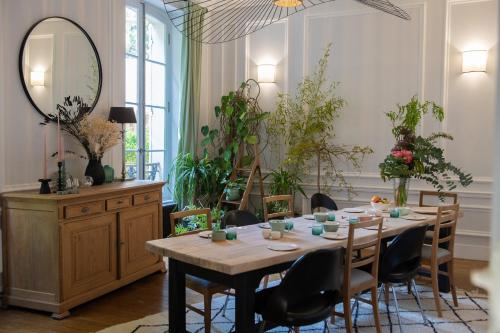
(122, 115)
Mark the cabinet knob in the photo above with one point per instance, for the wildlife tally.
(146, 197)
(85, 210)
(122, 243)
(119, 202)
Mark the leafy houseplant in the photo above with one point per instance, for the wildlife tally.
(283, 182)
(306, 123)
(233, 189)
(419, 157)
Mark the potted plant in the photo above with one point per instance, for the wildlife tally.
(233, 189)
(306, 125)
(218, 234)
(416, 156)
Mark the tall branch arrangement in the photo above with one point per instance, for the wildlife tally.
(415, 156)
(306, 123)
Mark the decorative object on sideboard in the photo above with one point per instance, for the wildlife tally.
(61, 178)
(219, 21)
(77, 70)
(122, 115)
(109, 174)
(44, 181)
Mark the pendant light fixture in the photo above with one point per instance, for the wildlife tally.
(219, 21)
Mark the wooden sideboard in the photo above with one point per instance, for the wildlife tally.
(62, 251)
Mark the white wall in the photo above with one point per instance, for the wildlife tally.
(381, 60)
(20, 144)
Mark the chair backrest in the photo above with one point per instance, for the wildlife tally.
(436, 196)
(314, 273)
(320, 200)
(239, 218)
(446, 220)
(277, 198)
(355, 256)
(405, 249)
(187, 213)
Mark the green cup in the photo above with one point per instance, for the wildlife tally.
(331, 216)
(289, 225)
(317, 229)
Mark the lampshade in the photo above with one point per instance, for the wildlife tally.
(266, 73)
(122, 115)
(37, 78)
(288, 3)
(474, 61)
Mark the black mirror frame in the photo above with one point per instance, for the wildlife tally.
(21, 72)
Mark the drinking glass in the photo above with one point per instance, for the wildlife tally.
(231, 232)
(317, 229)
(288, 225)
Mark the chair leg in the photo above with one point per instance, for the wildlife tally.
(419, 303)
(397, 308)
(296, 329)
(347, 314)
(326, 329)
(387, 286)
(435, 289)
(262, 327)
(451, 278)
(408, 287)
(208, 312)
(380, 291)
(376, 315)
(224, 308)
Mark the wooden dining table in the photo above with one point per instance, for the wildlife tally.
(241, 264)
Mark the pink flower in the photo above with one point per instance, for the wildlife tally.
(404, 154)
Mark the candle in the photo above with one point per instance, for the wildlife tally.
(59, 153)
(45, 151)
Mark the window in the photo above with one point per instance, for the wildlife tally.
(150, 83)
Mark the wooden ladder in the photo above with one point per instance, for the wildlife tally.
(250, 173)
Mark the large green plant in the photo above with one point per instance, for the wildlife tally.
(239, 117)
(306, 125)
(415, 156)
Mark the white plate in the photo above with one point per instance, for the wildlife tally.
(354, 210)
(384, 227)
(425, 210)
(334, 235)
(308, 217)
(282, 247)
(205, 234)
(264, 225)
(414, 218)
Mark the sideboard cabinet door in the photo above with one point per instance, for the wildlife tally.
(89, 258)
(136, 227)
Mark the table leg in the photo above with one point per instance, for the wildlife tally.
(176, 298)
(245, 304)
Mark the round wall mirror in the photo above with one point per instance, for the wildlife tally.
(58, 60)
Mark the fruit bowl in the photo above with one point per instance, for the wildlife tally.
(381, 206)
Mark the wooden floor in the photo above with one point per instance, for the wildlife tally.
(145, 297)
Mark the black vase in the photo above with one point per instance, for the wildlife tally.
(96, 171)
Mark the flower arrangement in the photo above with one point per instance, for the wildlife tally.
(419, 157)
(100, 134)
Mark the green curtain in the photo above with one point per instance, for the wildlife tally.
(190, 98)
(191, 79)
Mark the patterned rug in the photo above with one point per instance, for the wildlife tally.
(470, 316)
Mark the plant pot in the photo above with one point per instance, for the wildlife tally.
(218, 235)
(96, 171)
(233, 194)
(401, 188)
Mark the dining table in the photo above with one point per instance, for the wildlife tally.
(242, 263)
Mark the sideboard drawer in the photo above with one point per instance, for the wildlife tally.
(117, 203)
(140, 199)
(85, 209)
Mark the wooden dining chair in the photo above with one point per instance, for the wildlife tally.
(277, 198)
(434, 255)
(437, 197)
(201, 286)
(357, 280)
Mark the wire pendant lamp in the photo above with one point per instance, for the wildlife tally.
(219, 21)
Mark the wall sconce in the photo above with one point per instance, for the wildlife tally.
(37, 79)
(266, 73)
(474, 61)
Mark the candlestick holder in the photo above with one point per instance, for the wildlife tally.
(44, 186)
(61, 178)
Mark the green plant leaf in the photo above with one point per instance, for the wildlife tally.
(205, 130)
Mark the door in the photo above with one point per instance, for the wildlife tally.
(89, 258)
(137, 226)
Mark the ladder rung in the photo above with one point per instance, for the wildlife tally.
(231, 202)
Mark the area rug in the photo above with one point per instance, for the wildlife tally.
(470, 316)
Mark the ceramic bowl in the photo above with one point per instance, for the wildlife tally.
(380, 206)
(278, 225)
(321, 217)
(331, 226)
(218, 235)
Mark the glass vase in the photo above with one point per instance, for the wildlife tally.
(401, 187)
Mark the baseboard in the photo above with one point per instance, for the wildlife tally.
(472, 252)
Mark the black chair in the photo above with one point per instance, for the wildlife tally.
(239, 218)
(306, 295)
(399, 264)
(320, 200)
